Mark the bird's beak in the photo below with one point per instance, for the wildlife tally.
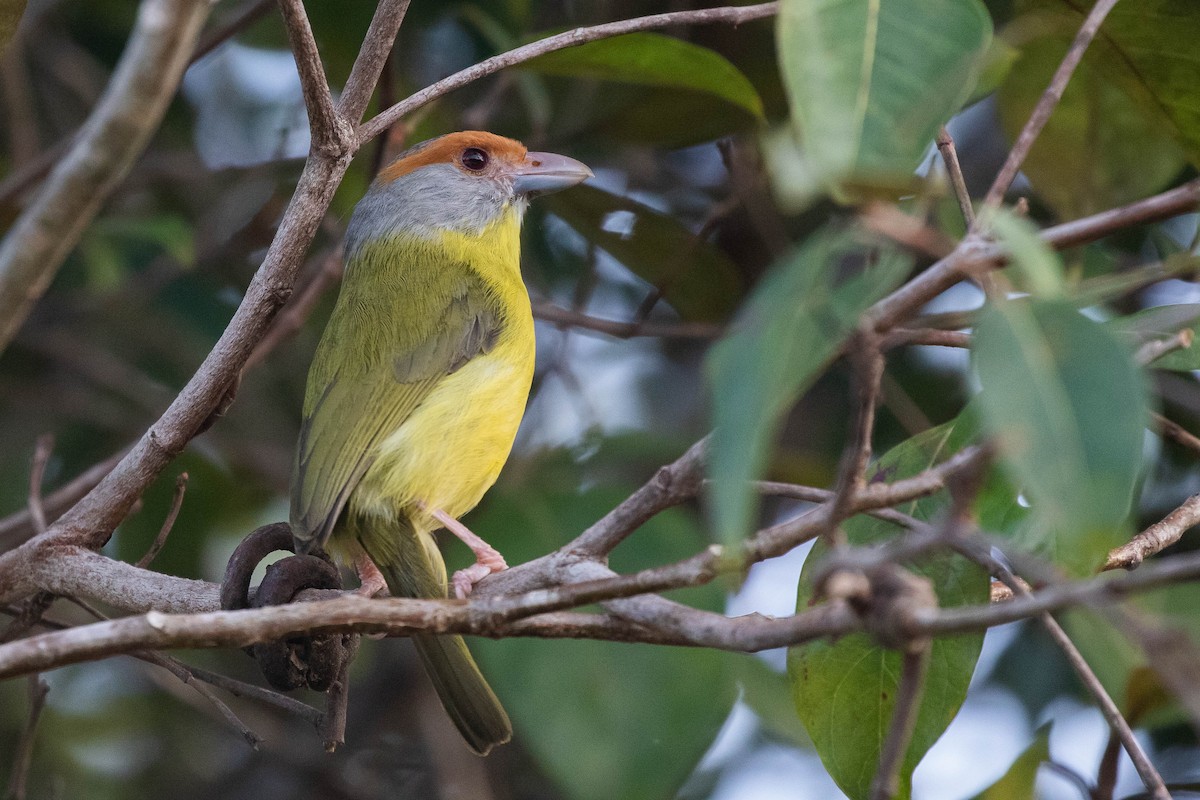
(543, 173)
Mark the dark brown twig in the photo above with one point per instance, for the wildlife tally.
(1049, 100)
(184, 673)
(1181, 435)
(169, 522)
(945, 146)
(914, 668)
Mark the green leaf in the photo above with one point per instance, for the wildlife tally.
(1148, 48)
(1101, 147)
(791, 327)
(870, 82)
(1162, 322)
(1018, 783)
(1069, 408)
(845, 691)
(696, 278)
(1032, 259)
(10, 16)
(652, 59)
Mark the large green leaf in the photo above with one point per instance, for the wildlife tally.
(845, 691)
(696, 278)
(652, 59)
(1101, 147)
(1069, 407)
(870, 81)
(791, 326)
(602, 719)
(1149, 49)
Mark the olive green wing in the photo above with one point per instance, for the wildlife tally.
(352, 407)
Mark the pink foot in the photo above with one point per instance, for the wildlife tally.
(371, 579)
(487, 558)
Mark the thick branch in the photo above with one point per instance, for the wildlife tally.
(115, 134)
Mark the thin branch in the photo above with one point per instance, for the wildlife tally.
(868, 365)
(17, 528)
(974, 254)
(168, 523)
(23, 759)
(1112, 714)
(1155, 349)
(185, 674)
(930, 337)
(114, 136)
(331, 134)
(1173, 430)
(41, 455)
(368, 66)
(945, 146)
(1157, 537)
(730, 15)
(566, 317)
(914, 668)
(1049, 100)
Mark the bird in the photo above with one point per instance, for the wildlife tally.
(419, 382)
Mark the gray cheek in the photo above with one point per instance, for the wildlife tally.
(425, 203)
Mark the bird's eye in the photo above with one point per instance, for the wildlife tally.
(474, 159)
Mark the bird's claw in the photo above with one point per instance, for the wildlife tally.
(464, 580)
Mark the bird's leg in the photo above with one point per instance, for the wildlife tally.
(487, 558)
(371, 580)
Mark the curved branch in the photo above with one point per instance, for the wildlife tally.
(115, 134)
(731, 14)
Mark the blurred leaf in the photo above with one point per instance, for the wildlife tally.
(790, 328)
(1019, 782)
(1100, 147)
(845, 691)
(652, 59)
(871, 82)
(697, 279)
(1162, 322)
(998, 61)
(767, 693)
(10, 17)
(1033, 261)
(1069, 407)
(1144, 48)
(603, 719)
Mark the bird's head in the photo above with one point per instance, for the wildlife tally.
(459, 182)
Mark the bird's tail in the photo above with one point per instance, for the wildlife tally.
(413, 568)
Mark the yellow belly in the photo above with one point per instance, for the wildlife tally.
(449, 452)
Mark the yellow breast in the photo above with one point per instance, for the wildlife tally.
(451, 449)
